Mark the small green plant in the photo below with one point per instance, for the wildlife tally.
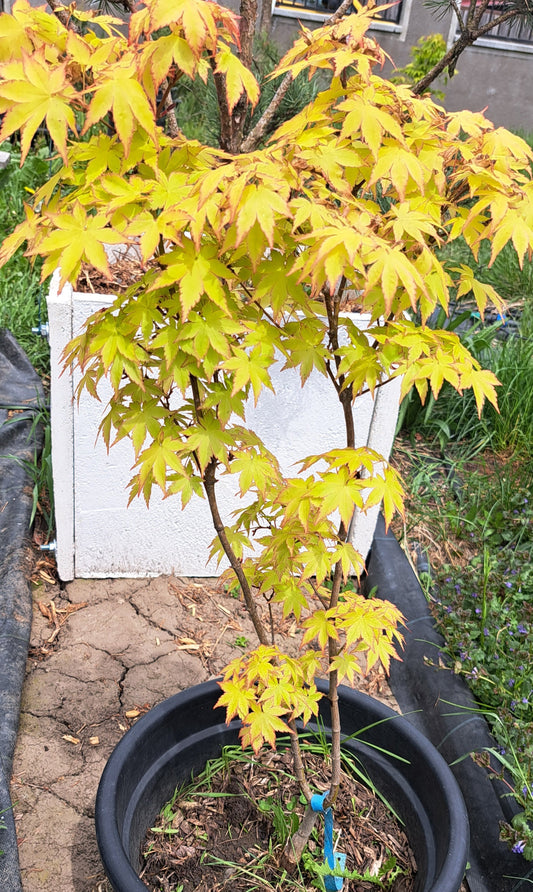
(425, 55)
(384, 879)
(241, 641)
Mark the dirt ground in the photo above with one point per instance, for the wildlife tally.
(102, 653)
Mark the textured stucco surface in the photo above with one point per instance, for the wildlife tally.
(99, 536)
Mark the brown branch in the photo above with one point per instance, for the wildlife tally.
(265, 25)
(467, 37)
(257, 134)
(62, 13)
(299, 768)
(297, 842)
(209, 482)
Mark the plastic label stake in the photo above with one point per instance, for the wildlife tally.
(334, 860)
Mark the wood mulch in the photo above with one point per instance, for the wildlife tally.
(218, 841)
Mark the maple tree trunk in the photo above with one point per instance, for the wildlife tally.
(232, 123)
(295, 845)
(209, 481)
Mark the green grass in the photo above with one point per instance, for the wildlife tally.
(23, 307)
(481, 593)
(22, 298)
(470, 508)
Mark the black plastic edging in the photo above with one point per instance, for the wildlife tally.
(20, 438)
(424, 693)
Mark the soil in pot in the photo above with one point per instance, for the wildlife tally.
(226, 831)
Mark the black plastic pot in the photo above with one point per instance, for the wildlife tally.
(179, 735)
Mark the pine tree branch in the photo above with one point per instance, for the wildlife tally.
(471, 31)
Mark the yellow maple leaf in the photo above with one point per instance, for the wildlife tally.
(118, 91)
(76, 236)
(32, 91)
(239, 79)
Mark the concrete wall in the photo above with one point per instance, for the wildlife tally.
(99, 536)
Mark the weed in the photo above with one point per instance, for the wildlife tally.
(483, 604)
(241, 641)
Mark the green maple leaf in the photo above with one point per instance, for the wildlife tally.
(249, 368)
(197, 272)
(207, 440)
(156, 460)
(346, 665)
(256, 470)
(339, 492)
(290, 594)
(261, 204)
(260, 665)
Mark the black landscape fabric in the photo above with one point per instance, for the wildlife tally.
(21, 394)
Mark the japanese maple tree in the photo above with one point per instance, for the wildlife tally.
(250, 253)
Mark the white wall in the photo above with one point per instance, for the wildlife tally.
(99, 536)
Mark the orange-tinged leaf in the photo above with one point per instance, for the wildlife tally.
(262, 205)
(120, 93)
(235, 698)
(37, 92)
(261, 726)
(165, 51)
(239, 79)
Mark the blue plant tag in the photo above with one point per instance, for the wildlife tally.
(334, 860)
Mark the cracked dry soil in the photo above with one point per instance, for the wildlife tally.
(102, 653)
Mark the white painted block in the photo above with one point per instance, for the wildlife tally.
(98, 536)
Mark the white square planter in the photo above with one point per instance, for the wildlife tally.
(98, 536)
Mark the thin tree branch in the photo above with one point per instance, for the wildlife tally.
(62, 13)
(297, 842)
(467, 37)
(209, 482)
(256, 135)
(299, 768)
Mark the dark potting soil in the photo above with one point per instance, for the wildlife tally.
(211, 843)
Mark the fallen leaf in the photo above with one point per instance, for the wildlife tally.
(187, 644)
(132, 713)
